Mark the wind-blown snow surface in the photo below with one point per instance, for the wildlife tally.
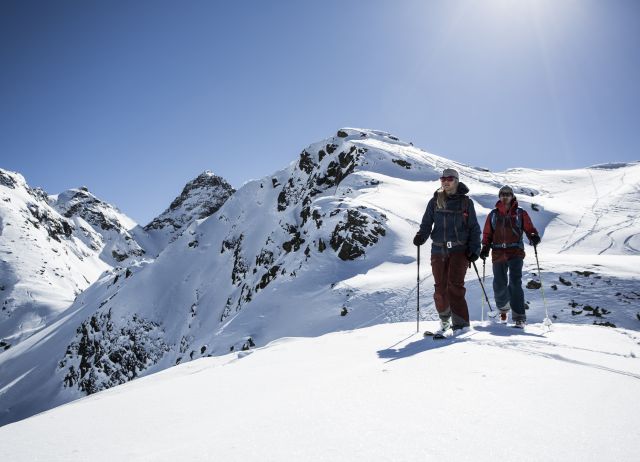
(379, 393)
(325, 245)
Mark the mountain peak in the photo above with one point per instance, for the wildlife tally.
(11, 179)
(200, 198)
(83, 203)
(211, 185)
(350, 133)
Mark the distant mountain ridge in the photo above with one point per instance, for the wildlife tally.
(54, 247)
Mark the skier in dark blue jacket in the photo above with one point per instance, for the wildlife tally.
(450, 220)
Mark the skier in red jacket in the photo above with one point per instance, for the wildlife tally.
(503, 232)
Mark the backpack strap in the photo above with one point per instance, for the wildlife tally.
(518, 230)
(465, 211)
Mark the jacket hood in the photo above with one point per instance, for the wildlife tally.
(462, 189)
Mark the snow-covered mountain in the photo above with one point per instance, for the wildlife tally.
(111, 236)
(54, 246)
(46, 259)
(199, 199)
(380, 393)
(320, 246)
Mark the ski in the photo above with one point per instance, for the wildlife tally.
(439, 335)
(449, 333)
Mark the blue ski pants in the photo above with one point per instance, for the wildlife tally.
(507, 287)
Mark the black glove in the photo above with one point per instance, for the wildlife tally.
(534, 239)
(472, 256)
(419, 239)
(484, 253)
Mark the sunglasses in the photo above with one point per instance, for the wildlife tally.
(506, 194)
(447, 178)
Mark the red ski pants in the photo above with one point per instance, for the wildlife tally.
(448, 274)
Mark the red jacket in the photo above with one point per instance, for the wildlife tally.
(506, 232)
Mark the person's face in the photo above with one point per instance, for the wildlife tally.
(449, 184)
(506, 197)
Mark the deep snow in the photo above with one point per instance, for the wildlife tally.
(381, 393)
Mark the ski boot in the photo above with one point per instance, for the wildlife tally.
(444, 331)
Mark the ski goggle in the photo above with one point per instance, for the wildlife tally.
(506, 194)
(447, 178)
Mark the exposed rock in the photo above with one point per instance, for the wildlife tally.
(532, 284)
(54, 226)
(306, 164)
(268, 277)
(584, 273)
(7, 180)
(117, 256)
(240, 266)
(91, 209)
(295, 243)
(103, 355)
(200, 198)
(402, 163)
(357, 231)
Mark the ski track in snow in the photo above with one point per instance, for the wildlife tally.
(616, 228)
(566, 246)
(623, 225)
(629, 246)
(557, 356)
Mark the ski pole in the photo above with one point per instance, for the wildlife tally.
(482, 285)
(547, 322)
(418, 292)
(482, 312)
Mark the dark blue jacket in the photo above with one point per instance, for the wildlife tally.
(448, 228)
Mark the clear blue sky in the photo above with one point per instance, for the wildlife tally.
(135, 98)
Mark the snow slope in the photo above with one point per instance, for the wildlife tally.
(321, 246)
(380, 393)
(52, 247)
(46, 259)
